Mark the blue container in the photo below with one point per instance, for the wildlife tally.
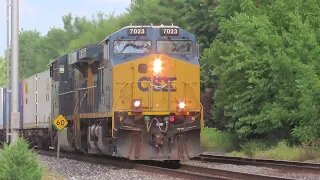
(5, 97)
(6, 103)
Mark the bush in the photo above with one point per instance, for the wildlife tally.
(17, 162)
(215, 140)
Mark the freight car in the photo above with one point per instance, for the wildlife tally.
(34, 107)
(136, 94)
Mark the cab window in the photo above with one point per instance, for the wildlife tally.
(131, 47)
(174, 46)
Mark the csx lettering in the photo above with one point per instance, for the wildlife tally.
(159, 84)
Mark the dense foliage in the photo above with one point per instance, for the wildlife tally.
(3, 69)
(17, 162)
(260, 58)
(265, 65)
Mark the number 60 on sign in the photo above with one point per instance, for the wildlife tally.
(60, 122)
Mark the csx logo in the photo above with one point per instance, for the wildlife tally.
(159, 84)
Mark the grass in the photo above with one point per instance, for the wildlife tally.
(281, 151)
(215, 140)
(223, 142)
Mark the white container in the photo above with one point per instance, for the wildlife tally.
(29, 103)
(43, 99)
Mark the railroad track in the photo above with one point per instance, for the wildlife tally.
(185, 171)
(275, 164)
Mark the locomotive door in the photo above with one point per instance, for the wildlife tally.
(65, 87)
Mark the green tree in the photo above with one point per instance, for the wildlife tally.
(146, 12)
(264, 66)
(196, 16)
(200, 18)
(94, 30)
(36, 51)
(17, 162)
(32, 55)
(3, 72)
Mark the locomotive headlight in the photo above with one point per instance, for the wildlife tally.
(137, 105)
(157, 66)
(182, 105)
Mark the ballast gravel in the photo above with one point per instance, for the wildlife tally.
(68, 169)
(76, 170)
(254, 170)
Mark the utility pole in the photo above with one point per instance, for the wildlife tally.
(8, 70)
(15, 115)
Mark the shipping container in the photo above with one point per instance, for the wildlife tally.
(29, 102)
(2, 108)
(43, 99)
(20, 105)
(5, 108)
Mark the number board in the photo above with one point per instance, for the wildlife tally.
(137, 31)
(60, 122)
(169, 31)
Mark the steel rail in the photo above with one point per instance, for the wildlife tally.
(185, 171)
(276, 164)
(227, 174)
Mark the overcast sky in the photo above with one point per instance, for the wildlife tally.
(41, 15)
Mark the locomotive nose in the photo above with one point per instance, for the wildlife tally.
(165, 121)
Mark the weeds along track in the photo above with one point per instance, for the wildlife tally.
(302, 167)
(183, 171)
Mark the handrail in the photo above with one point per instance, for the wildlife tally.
(201, 106)
(114, 104)
(169, 94)
(90, 87)
(66, 93)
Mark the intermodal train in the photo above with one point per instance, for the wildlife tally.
(135, 94)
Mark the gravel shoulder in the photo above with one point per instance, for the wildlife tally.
(67, 169)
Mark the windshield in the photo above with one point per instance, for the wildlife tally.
(174, 46)
(131, 46)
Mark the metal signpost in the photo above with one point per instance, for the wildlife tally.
(15, 115)
(8, 68)
(59, 123)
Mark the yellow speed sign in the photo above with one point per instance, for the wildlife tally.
(60, 122)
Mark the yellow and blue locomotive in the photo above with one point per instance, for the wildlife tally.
(135, 95)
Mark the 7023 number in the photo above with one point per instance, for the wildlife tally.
(136, 31)
(169, 31)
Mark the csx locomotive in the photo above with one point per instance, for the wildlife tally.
(136, 95)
